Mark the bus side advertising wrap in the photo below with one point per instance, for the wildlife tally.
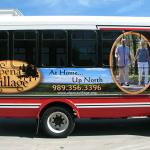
(59, 81)
(129, 58)
(23, 79)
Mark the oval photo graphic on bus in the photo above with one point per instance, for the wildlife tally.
(18, 76)
(129, 62)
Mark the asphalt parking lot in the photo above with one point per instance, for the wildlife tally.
(116, 134)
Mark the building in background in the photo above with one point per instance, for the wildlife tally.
(10, 12)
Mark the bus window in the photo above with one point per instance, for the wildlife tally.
(108, 38)
(25, 45)
(107, 44)
(111, 35)
(84, 48)
(54, 49)
(4, 45)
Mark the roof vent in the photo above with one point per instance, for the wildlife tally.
(10, 12)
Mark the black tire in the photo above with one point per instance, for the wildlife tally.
(50, 119)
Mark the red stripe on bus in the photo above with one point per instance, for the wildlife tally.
(109, 29)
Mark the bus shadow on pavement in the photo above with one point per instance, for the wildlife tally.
(108, 127)
(18, 127)
(84, 127)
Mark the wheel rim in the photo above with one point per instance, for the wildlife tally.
(58, 122)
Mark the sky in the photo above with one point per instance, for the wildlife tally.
(79, 7)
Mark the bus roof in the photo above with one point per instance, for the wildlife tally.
(69, 22)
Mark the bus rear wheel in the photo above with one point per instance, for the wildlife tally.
(57, 122)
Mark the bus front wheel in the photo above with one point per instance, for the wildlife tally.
(57, 122)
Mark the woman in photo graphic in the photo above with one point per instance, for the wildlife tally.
(142, 57)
